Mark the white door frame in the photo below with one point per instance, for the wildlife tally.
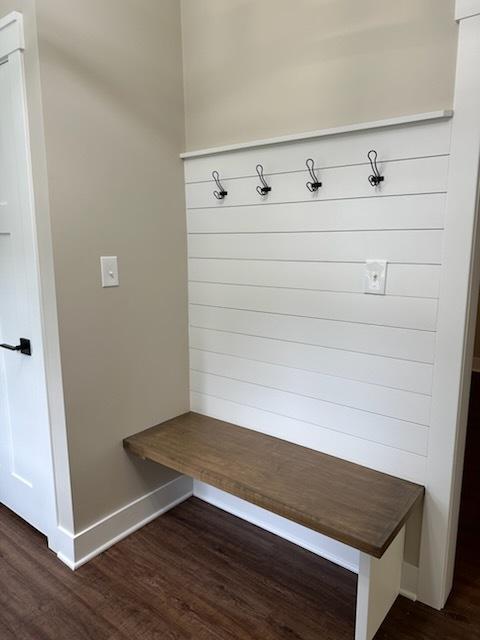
(12, 46)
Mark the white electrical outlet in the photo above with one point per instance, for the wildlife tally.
(109, 265)
(375, 276)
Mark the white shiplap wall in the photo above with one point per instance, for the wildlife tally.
(283, 340)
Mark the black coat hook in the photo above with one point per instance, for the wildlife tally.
(262, 189)
(220, 193)
(375, 178)
(313, 185)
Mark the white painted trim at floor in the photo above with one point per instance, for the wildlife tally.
(408, 587)
(306, 538)
(321, 133)
(76, 550)
(327, 548)
(476, 365)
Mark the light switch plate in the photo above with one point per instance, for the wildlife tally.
(109, 266)
(375, 276)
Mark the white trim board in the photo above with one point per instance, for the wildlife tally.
(321, 133)
(76, 550)
(316, 543)
(456, 328)
(30, 122)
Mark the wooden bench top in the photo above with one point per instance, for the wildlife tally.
(360, 507)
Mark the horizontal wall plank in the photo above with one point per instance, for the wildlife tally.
(370, 454)
(388, 372)
(424, 175)
(407, 313)
(405, 344)
(422, 247)
(368, 426)
(425, 211)
(402, 280)
(393, 403)
(408, 141)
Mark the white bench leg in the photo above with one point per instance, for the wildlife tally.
(378, 587)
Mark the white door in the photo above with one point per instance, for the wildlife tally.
(26, 470)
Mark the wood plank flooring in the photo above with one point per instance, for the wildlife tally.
(197, 573)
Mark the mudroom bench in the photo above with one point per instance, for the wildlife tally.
(355, 505)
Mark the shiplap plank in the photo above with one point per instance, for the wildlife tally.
(422, 247)
(403, 279)
(405, 344)
(393, 403)
(407, 141)
(425, 211)
(423, 175)
(370, 454)
(388, 372)
(406, 313)
(368, 426)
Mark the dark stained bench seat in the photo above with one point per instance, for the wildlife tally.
(362, 508)
(350, 503)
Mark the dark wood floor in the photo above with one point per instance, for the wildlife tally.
(198, 573)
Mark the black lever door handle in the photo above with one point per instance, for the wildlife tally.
(24, 347)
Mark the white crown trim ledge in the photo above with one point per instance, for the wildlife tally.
(321, 133)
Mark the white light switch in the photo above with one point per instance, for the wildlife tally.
(375, 276)
(109, 265)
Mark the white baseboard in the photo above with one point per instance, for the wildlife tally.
(476, 365)
(409, 585)
(306, 538)
(301, 536)
(77, 549)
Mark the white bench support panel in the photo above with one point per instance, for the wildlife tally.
(378, 587)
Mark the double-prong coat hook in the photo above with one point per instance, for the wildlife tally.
(262, 189)
(220, 192)
(375, 178)
(313, 184)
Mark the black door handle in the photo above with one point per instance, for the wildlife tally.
(24, 347)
